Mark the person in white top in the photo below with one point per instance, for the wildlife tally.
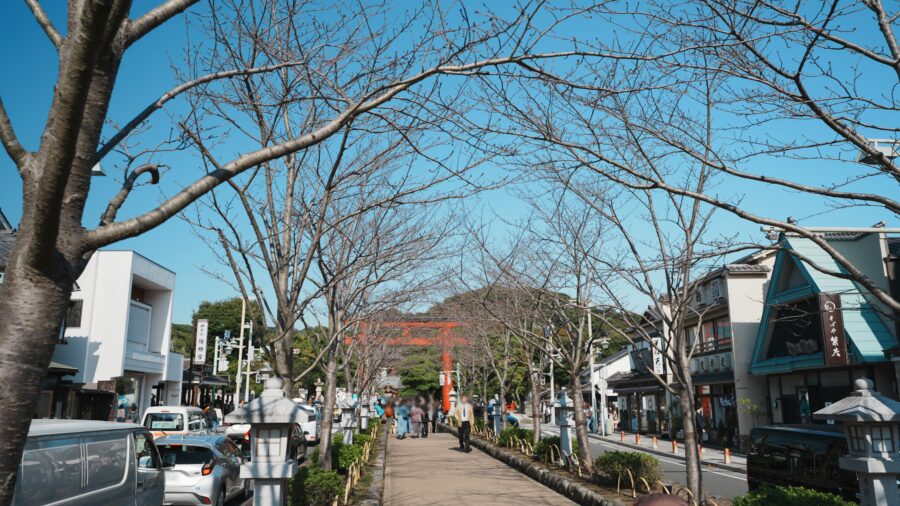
(464, 415)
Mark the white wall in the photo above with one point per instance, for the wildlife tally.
(746, 296)
(99, 347)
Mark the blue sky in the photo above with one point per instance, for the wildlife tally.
(146, 73)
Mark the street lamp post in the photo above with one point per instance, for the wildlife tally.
(237, 382)
(547, 334)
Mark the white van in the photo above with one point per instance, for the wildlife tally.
(83, 462)
(168, 420)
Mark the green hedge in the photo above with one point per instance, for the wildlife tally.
(641, 465)
(788, 496)
(314, 487)
(542, 449)
(341, 455)
(507, 434)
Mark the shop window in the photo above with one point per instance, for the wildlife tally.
(796, 329)
(723, 333)
(708, 336)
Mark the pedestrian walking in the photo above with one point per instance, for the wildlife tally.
(435, 415)
(425, 410)
(463, 417)
(416, 415)
(402, 419)
(133, 415)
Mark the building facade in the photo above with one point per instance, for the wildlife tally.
(722, 328)
(116, 341)
(820, 332)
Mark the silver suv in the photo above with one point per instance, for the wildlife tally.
(201, 469)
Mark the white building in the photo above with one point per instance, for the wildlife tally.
(117, 336)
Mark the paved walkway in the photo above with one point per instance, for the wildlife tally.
(432, 471)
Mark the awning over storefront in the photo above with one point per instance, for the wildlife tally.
(60, 368)
(207, 380)
(633, 382)
(713, 378)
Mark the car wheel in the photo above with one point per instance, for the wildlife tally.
(220, 499)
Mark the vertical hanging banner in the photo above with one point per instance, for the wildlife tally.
(658, 364)
(200, 341)
(833, 329)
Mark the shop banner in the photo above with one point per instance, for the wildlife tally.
(200, 342)
(658, 365)
(833, 329)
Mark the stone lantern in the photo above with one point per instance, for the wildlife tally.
(872, 428)
(364, 413)
(563, 411)
(497, 414)
(271, 417)
(347, 418)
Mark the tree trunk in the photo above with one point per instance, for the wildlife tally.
(537, 415)
(693, 471)
(284, 357)
(33, 302)
(326, 426)
(584, 451)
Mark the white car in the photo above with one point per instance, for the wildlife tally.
(168, 420)
(310, 426)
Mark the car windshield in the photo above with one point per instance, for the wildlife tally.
(164, 421)
(184, 454)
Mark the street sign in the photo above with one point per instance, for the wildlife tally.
(250, 354)
(441, 378)
(227, 334)
(200, 342)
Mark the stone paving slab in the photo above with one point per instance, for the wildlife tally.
(432, 471)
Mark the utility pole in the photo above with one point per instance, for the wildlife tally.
(237, 382)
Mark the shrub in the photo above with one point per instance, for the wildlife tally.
(314, 487)
(788, 496)
(542, 449)
(361, 439)
(641, 465)
(509, 432)
(343, 455)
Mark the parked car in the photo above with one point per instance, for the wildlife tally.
(81, 462)
(201, 469)
(311, 426)
(800, 455)
(168, 420)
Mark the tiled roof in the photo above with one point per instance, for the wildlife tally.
(747, 268)
(842, 236)
(864, 328)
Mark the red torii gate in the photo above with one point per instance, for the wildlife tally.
(445, 339)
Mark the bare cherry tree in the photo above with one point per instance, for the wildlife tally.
(376, 254)
(397, 56)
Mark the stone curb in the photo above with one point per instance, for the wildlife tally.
(556, 482)
(714, 465)
(374, 495)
